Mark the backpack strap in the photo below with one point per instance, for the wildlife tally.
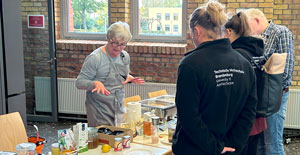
(256, 62)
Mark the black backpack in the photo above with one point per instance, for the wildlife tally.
(269, 85)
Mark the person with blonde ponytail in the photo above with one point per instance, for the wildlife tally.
(239, 33)
(216, 90)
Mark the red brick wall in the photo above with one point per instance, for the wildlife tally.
(155, 62)
(36, 50)
(145, 59)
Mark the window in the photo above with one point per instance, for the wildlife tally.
(167, 28)
(175, 16)
(158, 16)
(175, 28)
(87, 19)
(167, 16)
(158, 27)
(147, 15)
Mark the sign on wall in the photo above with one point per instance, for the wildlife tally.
(35, 21)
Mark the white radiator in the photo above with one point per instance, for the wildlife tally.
(292, 119)
(42, 94)
(72, 101)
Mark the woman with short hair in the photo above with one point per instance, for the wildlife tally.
(103, 74)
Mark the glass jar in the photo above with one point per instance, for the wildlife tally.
(55, 149)
(118, 144)
(126, 142)
(26, 149)
(171, 130)
(155, 130)
(92, 137)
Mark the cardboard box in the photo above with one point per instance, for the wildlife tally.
(110, 139)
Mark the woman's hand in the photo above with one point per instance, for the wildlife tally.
(99, 87)
(228, 149)
(132, 79)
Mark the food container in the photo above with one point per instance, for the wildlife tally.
(166, 98)
(162, 109)
(108, 136)
(171, 130)
(118, 144)
(92, 137)
(26, 149)
(126, 142)
(55, 149)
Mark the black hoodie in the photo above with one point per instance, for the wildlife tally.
(252, 47)
(215, 99)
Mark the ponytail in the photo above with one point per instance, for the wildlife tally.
(239, 24)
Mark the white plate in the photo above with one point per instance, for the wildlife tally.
(165, 140)
(138, 151)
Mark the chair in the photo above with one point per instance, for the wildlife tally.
(157, 93)
(132, 99)
(12, 131)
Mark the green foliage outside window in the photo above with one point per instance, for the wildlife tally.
(90, 15)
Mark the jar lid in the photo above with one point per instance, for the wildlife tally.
(26, 146)
(55, 145)
(155, 120)
(126, 137)
(92, 130)
(118, 139)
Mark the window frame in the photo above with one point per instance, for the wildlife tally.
(167, 16)
(175, 27)
(158, 15)
(175, 16)
(65, 34)
(157, 38)
(167, 26)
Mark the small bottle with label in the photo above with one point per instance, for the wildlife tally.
(118, 144)
(147, 127)
(155, 130)
(126, 142)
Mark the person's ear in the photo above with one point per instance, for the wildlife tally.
(197, 30)
(228, 32)
(257, 21)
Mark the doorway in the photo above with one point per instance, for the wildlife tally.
(40, 66)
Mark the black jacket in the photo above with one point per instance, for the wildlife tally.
(215, 99)
(252, 47)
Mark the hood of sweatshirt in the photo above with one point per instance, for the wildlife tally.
(251, 44)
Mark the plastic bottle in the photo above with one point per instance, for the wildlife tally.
(155, 130)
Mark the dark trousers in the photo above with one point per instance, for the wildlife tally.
(251, 146)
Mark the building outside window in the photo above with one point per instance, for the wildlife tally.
(158, 27)
(167, 28)
(147, 15)
(175, 28)
(84, 19)
(175, 16)
(158, 16)
(167, 16)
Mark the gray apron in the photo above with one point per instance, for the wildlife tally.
(108, 110)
